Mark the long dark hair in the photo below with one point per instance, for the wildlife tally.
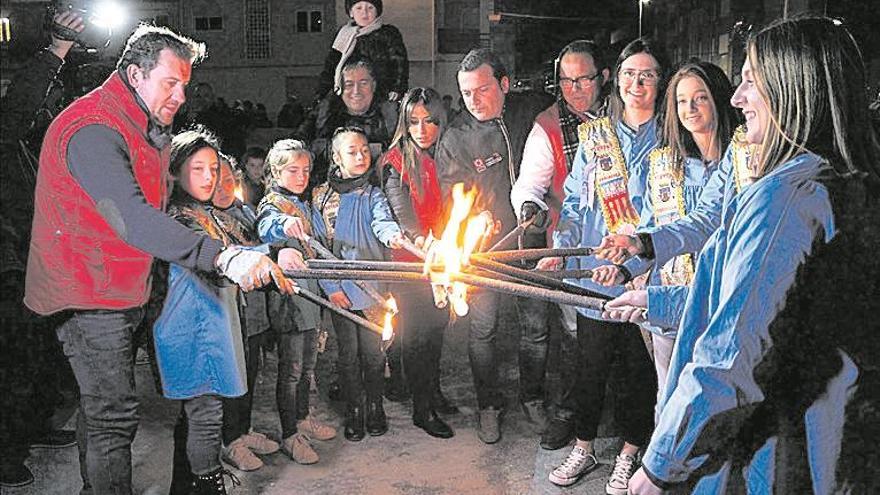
(811, 74)
(433, 103)
(641, 45)
(725, 117)
(185, 144)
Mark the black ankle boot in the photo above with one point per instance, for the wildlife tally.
(441, 404)
(212, 483)
(395, 386)
(377, 423)
(432, 424)
(354, 423)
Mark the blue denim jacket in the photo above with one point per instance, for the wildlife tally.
(742, 277)
(581, 222)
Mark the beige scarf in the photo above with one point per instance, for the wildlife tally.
(344, 43)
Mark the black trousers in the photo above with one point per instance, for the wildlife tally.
(237, 410)
(601, 342)
(361, 361)
(33, 371)
(421, 328)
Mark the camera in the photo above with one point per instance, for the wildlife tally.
(98, 17)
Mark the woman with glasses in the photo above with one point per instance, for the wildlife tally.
(780, 322)
(604, 193)
(698, 125)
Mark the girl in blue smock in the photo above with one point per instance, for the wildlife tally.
(359, 225)
(780, 321)
(198, 340)
(603, 194)
(698, 124)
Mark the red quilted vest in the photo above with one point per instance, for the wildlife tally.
(76, 260)
(549, 121)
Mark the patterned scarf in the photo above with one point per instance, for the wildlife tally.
(569, 122)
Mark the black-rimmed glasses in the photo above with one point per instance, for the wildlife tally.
(581, 82)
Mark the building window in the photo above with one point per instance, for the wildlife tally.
(723, 44)
(209, 23)
(311, 21)
(257, 39)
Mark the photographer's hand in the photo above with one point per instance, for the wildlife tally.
(69, 21)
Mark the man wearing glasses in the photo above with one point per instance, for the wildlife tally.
(581, 71)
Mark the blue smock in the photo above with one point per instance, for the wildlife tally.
(581, 222)
(743, 275)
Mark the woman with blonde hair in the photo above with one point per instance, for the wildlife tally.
(285, 215)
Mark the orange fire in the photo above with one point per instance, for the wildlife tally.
(448, 252)
(388, 329)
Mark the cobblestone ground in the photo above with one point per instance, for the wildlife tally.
(404, 461)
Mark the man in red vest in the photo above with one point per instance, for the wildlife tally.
(581, 71)
(101, 190)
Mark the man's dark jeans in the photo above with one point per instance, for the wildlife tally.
(534, 332)
(99, 346)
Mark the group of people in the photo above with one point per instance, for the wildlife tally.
(715, 244)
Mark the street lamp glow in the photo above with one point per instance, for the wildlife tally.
(107, 14)
(642, 4)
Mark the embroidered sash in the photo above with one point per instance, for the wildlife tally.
(741, 155)
(235, 229)
(288, 207)
(666, 181)
(603, 148)
(207, 222)
(327, 202)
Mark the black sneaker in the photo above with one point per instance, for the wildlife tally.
(558, 434)
(55, 439)
(15, 475)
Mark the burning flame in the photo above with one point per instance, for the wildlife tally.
(239, 193)
(447, 252)
(388, 329)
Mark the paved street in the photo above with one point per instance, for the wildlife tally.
(404, 461)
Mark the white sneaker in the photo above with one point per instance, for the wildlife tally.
(578, 463)
(624, 467)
